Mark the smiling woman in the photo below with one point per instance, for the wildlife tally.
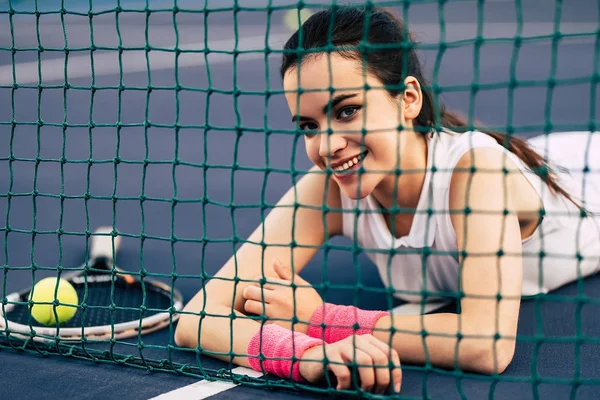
(480, 212)
(347, 110)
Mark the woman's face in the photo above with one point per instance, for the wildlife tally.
(353, 110)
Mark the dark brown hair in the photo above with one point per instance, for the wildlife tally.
(390, 54)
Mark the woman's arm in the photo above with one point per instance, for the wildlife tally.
(219, 332)
(491, 275)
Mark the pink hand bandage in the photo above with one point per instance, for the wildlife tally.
(340, 322)
(281, 350)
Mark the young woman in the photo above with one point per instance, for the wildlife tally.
(441, 210)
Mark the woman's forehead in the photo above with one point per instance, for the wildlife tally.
(324, 71)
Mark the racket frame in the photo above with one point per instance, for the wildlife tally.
(101, 250)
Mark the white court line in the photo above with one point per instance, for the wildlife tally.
(107, 62)
(203, 389)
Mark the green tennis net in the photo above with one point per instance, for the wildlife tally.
(168, 121)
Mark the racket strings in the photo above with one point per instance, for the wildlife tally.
(106, 305)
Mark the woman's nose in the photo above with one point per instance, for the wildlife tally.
(330, 144)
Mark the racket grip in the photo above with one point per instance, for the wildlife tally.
(102, 243)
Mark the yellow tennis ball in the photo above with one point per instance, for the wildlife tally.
(43, 292)
(291, 18)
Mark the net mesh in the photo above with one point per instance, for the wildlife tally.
(63, 168)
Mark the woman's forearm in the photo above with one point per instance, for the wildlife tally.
(439, 334)
(218, 332)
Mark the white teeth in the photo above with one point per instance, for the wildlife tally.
(350, 164)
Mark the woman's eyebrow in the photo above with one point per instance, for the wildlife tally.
(334, 102)
(337, 100)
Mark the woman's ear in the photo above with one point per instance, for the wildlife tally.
(412, 98)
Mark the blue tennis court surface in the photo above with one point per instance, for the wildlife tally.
(165, 198)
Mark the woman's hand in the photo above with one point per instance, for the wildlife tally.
(280, 301)
(371, 356)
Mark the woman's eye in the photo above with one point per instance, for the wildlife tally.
(309, 126)
(348, 112)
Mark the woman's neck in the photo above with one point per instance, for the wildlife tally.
(407, 187)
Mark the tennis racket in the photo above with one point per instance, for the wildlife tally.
(118, 304)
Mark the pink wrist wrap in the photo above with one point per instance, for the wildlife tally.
(340, 322)
(278, 347)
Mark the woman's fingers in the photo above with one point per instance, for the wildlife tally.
(363, 362)
(286, 273)
(381, 360)
(366, 355)
(255, 293)
(275, 283)
(283, 272)
(337, 365)
(372, 358)
(391, 355)
(256, 307)
(266, 285)
(270, 283)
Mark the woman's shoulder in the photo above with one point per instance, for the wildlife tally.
(449, 149)
(452, 145)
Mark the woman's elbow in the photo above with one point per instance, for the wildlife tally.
(185, 334)
(491, 359)
(180, 337)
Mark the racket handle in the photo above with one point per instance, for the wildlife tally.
(102, 245)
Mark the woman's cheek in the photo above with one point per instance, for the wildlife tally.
(312, 150)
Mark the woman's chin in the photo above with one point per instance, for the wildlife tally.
(354, 186)
(354, 192)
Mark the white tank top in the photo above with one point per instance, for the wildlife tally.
(426, 259)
